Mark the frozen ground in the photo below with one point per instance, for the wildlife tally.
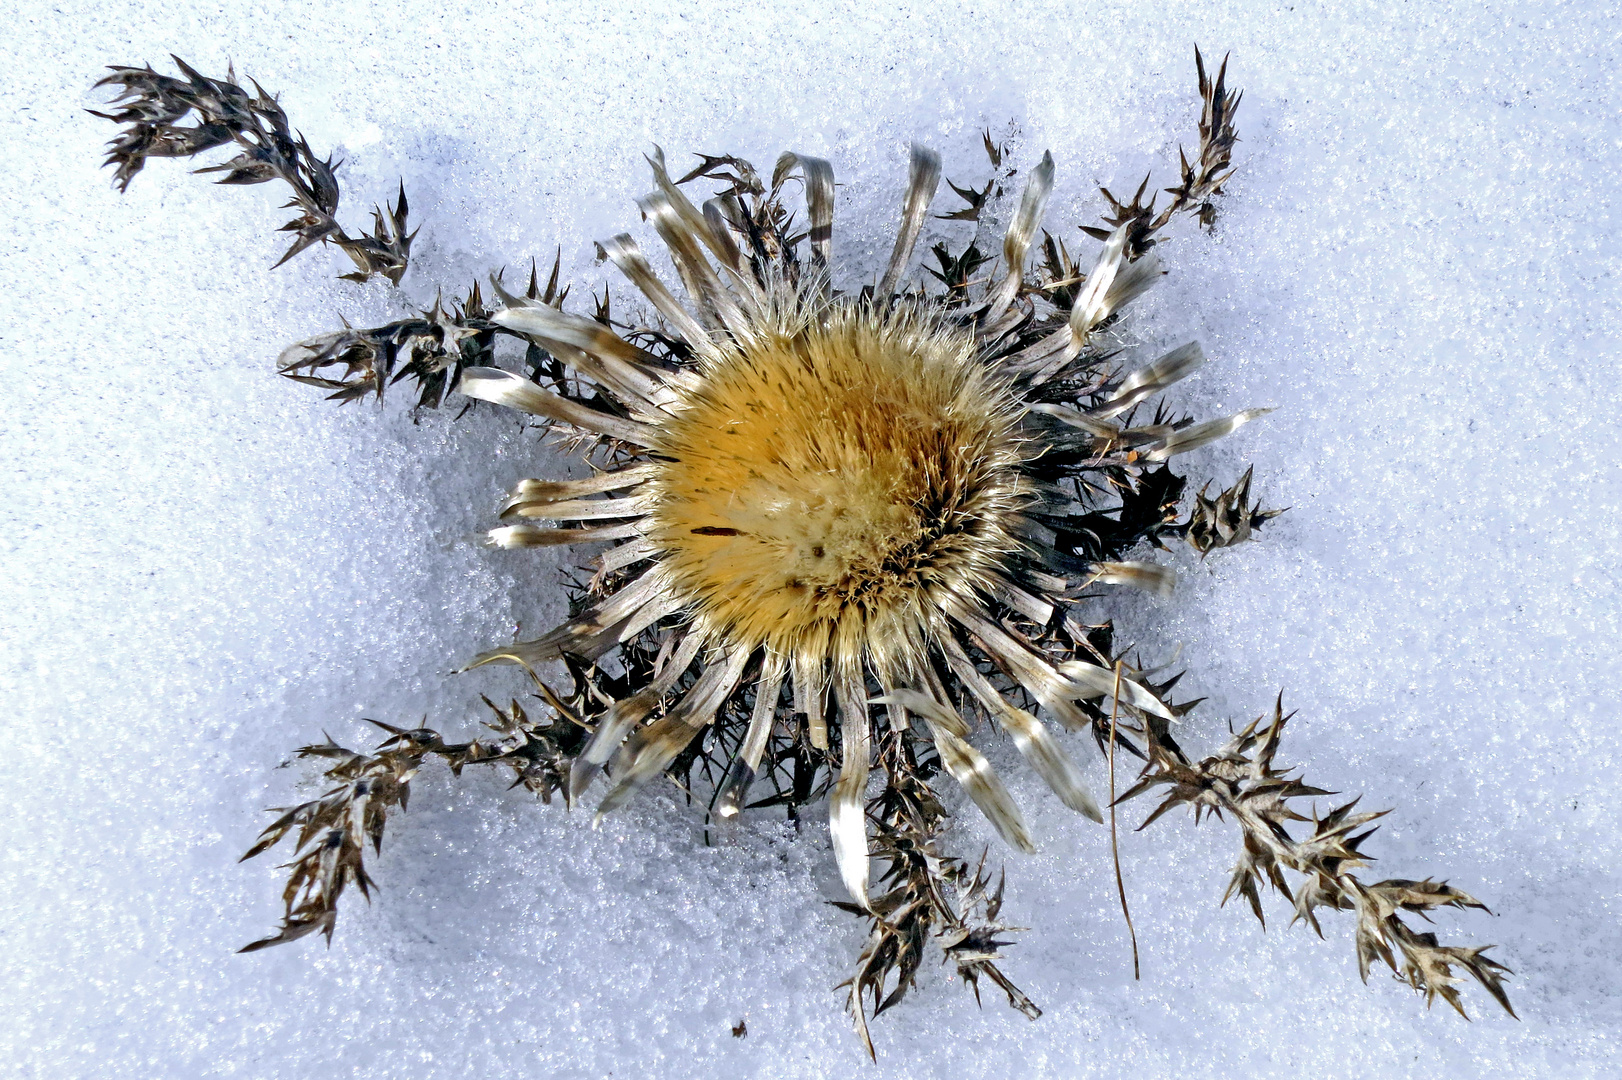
(204, 566)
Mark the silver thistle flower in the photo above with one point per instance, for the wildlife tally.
(842, 529)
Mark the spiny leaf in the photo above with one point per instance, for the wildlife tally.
(154, 107)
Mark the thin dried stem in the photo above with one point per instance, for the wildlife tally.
(1114, 838)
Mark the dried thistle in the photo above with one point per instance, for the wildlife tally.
(843, 532)
(155, 107)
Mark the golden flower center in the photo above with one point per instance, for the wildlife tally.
(823, 483)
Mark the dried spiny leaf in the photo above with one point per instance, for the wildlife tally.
(1204, 177)
(1240, 781)
(433, 348)
(1137, 215)
(386, 252)
(1199, 181)
(976, 200)
(957, 272)
(735, 172)
(994, 151)
(333, 830)
(1229, 519)
(154, 108)
(927, 895)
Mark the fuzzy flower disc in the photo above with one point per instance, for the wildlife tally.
(826, 482)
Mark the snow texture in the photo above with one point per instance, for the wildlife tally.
(205, 566)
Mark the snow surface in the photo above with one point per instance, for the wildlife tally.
(205, 566)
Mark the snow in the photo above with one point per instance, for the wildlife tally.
(205, 567)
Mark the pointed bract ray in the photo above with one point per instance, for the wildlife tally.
(1017, 240)
(847, 821)
(923, 180)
